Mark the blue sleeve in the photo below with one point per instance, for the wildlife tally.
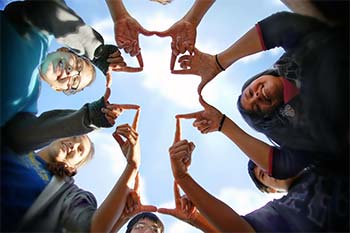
(286, 29)
(267, 219)
(288, 162)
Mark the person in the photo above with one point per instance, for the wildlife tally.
(183, 32)
(144, 221)
(39, 194)
(280, 102)
(24, 31)
(184, 208)
(315, 202)
(278, 162)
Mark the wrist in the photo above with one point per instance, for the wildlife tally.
(218, 63)
(222, 121)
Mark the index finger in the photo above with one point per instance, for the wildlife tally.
(137, 183)
(128, 69)
(203, 102)
(177, 137)
(189, 115)
(108, 79)
(172, 61)
(139, 59)
(107, 94)
(177, 195)
(163, 33)
(128, 106)
(136, 119)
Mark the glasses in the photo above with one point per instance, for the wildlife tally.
(143, 227)
(74, 80)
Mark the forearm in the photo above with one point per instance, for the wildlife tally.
(198, 10)
(203, 224)
(255, 149)
(117, 9)
(27, 132)
(112, 207)
(247, 45)
(220, 215)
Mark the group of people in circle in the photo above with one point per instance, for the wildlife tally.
(300, 104)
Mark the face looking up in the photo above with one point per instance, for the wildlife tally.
(65, 71)
(145, 225)
(263, 95)
(272, 183)
(72, 151)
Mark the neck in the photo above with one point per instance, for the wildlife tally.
(45, 155)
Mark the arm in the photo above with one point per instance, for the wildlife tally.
(27, 132)
(111, 210)
(210, 120)
(126, 30)
(187, 212)
(183, 32)
(220, 215)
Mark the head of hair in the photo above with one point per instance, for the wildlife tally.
(148, 215)
(61, 169)
(254, 120)
(251, 166)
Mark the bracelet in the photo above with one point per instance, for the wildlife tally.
(222, 122)
(217, 62)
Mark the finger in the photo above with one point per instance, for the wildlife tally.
(185, 57)
(148, 208)
(177, 195)
(115, 54)
(203, 102)
(118, 139)
(128, 69)
(163, 33)
(172, 61)
(167, 211)
(201, 86)
(177, 137)
(123, 106)
(110, 119)
(187, 71)
(139, 59)
(193, 115)
(145, 32)
(137, 183)
(136, 119)
(107, 94)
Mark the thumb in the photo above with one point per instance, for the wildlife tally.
(163, 33)
(107, 94)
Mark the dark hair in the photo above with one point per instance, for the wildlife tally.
(263, 188)
(255, 120)
(144, 215)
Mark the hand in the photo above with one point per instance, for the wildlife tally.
(126, 31)
(201, 64)
(133, 203)
(207, 120)
(130, 147)
(183, 34)
(113, 111)
(184, 208)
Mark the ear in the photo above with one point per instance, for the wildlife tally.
(271, 190)
(63, 49)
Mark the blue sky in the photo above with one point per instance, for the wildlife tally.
(217, 164)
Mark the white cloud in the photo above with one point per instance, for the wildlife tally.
(106, 28)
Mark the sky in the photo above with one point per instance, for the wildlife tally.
(217, 164)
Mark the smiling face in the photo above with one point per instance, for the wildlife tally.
(272, 183)
(73, 150)
(65, 71)
(263, 95)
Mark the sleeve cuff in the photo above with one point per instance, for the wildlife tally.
(261, 38)
(271, 153)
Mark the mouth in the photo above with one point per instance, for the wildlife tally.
(266, 95)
